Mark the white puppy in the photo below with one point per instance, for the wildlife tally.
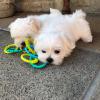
(23, 28)
(59, 34)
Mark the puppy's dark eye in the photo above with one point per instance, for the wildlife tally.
(43, 51)
(57, 51)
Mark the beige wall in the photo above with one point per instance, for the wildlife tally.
(90, 6)
(38, 5)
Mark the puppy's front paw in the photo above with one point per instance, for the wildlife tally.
(88, 39)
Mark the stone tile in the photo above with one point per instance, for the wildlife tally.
(93, 92)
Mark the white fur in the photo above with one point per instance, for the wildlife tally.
(61, 33)
(29, 26)
(22, 28)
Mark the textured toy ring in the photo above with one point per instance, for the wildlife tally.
(11, 49)
(28, 46)
(32, 61)
(39, 66)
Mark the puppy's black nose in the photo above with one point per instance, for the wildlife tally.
(49, 60)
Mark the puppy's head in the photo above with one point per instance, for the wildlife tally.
(52, 48)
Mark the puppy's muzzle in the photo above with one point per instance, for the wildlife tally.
(49, 60)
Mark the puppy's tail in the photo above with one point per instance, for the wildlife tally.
(79, 14)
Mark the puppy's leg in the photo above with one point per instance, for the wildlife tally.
(82, 26)
(87, 35)
(83, 30)
(88, 38)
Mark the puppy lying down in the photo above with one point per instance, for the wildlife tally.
(55, 35)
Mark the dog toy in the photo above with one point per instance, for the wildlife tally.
(28, 54)
(29, 46)
(12, 48)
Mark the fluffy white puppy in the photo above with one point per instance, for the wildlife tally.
(59, 34)
(29, 26)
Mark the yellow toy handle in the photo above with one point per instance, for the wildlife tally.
(28, 46)
(9, 46)
(34, 61)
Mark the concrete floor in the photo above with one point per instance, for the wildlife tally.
(69, 81)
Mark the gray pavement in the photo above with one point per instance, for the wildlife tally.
(70, 81)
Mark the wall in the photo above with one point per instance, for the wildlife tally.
(38, 5)
(90, 6)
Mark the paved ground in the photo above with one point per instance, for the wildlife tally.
(69, 81)
(78, 78)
